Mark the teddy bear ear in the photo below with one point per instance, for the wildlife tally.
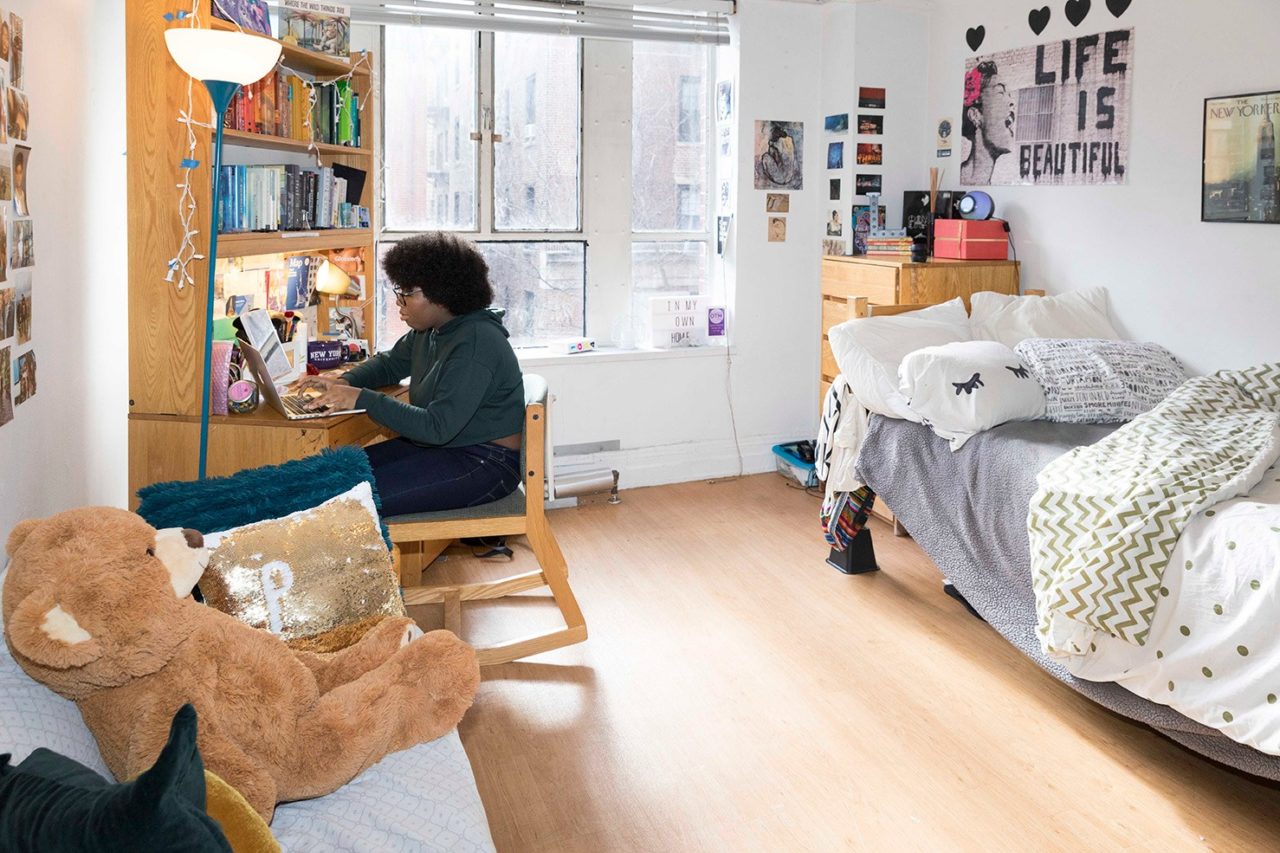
(19, 534)
(46, 634)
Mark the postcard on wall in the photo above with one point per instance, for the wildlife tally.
(723, 223)
(322, 27)
(777, 203)
(779, 155)
(946, 127)
(870, 154)
(777, 229)
(835, 189)
(835, 155)
(725, 133)
(724, 100)
(871, 125)
(869, 184)
(17, 116)
(6, 36)
(835, 228)
(22, 251)
(6, 387)
(837, 123)
(22, 307)
(726, 195)
(21, 159)
(833, 247)
(8, 313)
(1240, 182)
(870, 98)
(15, 50)
(24, 376)
(1053, 114)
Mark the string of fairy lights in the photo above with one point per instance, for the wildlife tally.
(179, 267)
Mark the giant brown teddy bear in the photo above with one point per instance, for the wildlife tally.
(97, 607)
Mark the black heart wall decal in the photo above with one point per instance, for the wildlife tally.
(1039, 19)
(1078, 10)
(975, 37)
(1118, 7)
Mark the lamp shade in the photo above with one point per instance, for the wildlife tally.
(220, 55)
(333, 279)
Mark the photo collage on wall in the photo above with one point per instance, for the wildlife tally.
(868, 180)
(17, 237)
(726, 169)
(779, 165)
(835, 126)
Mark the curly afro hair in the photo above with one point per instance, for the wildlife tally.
(448, 269)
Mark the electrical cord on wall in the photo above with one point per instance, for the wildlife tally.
(728, 386)
(1012, 247)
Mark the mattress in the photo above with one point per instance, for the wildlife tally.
(968, 511)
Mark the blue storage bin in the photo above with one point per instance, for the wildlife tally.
(789, 464)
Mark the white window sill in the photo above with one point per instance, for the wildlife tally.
(547, 356)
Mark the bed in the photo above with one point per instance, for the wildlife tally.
(968, 511)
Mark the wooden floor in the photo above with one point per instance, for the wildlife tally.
(738, 694)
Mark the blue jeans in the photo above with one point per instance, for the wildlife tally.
(412, 478)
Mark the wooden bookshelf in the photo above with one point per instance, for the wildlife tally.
(166, 325)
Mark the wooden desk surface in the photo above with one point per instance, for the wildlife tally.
(265, 416)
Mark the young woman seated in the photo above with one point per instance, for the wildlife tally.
(460, 432)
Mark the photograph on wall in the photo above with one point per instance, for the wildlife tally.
(322, 27)
(726, 195)
(870, 154)
(724, 100)
(870, 98)
(779, 155)
(8, 313)
(6, 387)
(835, 228)
(868, 184)
(17, 114)
(833, 247)
(862, 218)
(835, 189)
(1240, 179)
(777, 203)
(946, 128)
(24, 376)
(21, 158)
(1054, 114)
(22, 308)
(723, 223)
(6, 36)
(777, 229)
(725, 133)
(837, 123)
(871, 125)
(4, 251)
(835, 155)
(15, 50)
(22, 252)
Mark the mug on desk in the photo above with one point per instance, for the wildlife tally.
(324, 355)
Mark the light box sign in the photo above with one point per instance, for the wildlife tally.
(677, 321)
(1056, 114)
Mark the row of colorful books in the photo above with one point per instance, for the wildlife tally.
(280, 105)
(289, 198)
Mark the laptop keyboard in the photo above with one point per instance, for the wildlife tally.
(296, 404)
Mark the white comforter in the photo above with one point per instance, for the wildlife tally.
(1213, 652)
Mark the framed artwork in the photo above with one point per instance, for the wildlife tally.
(1239, 180)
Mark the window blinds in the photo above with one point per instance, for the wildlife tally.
(696, 21)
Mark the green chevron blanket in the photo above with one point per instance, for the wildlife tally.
(1106, 517)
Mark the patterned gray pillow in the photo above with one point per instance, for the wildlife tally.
(1090, 381)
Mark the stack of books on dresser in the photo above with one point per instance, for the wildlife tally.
(888, 241)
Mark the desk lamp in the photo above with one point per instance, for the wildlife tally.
(333, 279)
(223, 62)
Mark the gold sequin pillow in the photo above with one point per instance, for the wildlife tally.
(305, 573)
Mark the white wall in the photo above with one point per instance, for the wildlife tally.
(66, 445)
(1209, 292)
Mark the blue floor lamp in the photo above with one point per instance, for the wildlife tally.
(223, 61)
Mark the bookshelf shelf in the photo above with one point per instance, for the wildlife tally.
(307, 61)
(238, 244)
(280, 143)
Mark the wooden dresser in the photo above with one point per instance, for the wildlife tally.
(857, 286)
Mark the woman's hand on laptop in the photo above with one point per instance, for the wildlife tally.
(335, 395)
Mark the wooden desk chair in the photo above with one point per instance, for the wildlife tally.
(424, 536)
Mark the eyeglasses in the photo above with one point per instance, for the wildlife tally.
(402, 296)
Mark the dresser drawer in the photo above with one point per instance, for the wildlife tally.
(829, 367)
(878, 283)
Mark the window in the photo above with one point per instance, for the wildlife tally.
(518, 190)
(691, 97)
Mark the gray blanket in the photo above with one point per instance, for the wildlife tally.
(968, 511)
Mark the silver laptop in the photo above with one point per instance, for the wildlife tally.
(292, 406)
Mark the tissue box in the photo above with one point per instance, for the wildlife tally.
(970, 239)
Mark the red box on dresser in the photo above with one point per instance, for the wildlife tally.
(970, 239)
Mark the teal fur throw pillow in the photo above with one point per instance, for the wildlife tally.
(51, 803)
(257, 494)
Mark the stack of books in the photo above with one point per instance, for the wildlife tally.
(888, 241)
(289, 198)
(279, 105)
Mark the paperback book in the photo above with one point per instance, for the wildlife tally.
(250, 14)
(322, 27)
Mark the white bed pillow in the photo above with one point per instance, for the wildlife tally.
(1100, 382)
(964, 388)
(869, 351)
(1012, 319)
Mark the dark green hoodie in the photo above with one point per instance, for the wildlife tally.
(464, 384)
